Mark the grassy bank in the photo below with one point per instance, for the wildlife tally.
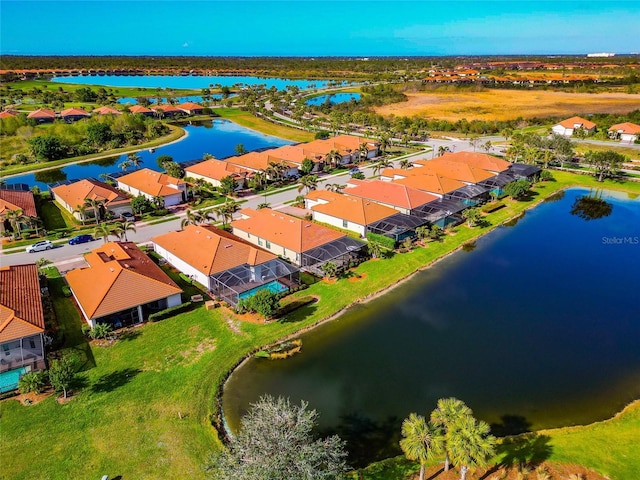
(144, 410)
(247, 120)
(175, 134)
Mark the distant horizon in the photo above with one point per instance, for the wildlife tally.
(310, 28)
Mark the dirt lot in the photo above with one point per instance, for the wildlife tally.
(509, 104)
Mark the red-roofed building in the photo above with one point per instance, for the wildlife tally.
(627, 132)
(21, 324)
(154, 184)
(13, 205)
(191, 108)
(43, 115)
(73, 114)
(106, 110)
(214, 170)
(72, 198)
(166, 110)
(141, 110)
(8, 114)
(571, 125)
(400, 197)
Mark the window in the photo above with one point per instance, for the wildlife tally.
(284, 251)
(345, 223)
(260, 241)
(32, 343)
(268, 244)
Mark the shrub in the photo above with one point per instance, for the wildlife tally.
(322, 135)
(546, 176)
(492, 207)
(101, 330)
(386, 242)
(66, 291)
(32, 382)
(186, 278)
(264, 302)
(169, 312)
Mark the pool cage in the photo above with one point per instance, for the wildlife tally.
(398, 227)
(522, 170)
(342, 252)
(496, 184)
(470, 195)
(230, 284)
(442, 212)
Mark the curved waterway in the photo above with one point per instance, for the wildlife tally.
(218, 137)
(537, 326)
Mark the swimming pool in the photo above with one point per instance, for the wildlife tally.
(273, 286)
(9, 380)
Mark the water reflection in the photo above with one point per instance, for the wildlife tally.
(591, 207)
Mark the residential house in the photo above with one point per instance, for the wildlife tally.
(21, 324)
(21, 204)
(141, 110)
(73, 195)
(191, 108)
(261, 162)
(627, 132)
(42, 115)
(214, 170)
(295, 155)
(483, 161)
(8, 114)
(121, 286)
(106, 110)
(404, 199)
(304, 243)
(152, 184)
(73, 114)
(571, 125)
(167, 110)
(230, 267)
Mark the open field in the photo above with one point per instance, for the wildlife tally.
(509, 104)
(247, 120)
(144, 405)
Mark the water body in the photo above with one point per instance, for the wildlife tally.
(218, 137)
(188, 82)
(186, 98)
(540, 321)
(333, 98)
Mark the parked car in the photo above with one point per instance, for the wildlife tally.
(81, 239)
(40, 246)
(354, 170)
(127, 217)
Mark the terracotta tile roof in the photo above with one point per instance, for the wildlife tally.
(290, 232)
(152, 182)
(211, 250)
(459, 170)
(8, 114)
(73, 112)
(354, 209)
(21, 312)
(15, 199)
(107, 110)
(119, 276)
(167, 108)
(140, 109)
(389, 193)
(289, 153)
(216, 169)
(190, 106)
(344, 144)
(431, 182)
(252, 160)
(581, 122)
(76, 193)
(626, 127)
(42, 113)
(478, 160)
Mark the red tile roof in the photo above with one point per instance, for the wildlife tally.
(73, 112)
(76, 193)
(216, 169)
(459, 170)
(581, 122)
(152, 182)
(107, 110)
(353, 209)
(14, 199)
(119, 276)
(42, 113)
(290, 232)
(166, 108)
(389, 193)
(211, 250)
(21, 312)
(190, 106)
(8, 114)
(478, 160)
(627, 127)
(140, 109)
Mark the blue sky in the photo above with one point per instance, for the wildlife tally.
(312, 28)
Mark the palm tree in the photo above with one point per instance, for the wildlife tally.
(335, 187)
(15, 217)
(102, 230)
(95, 204)
(334, 157)
(448, 413)
(384, 141)
(381, 165)
(134, 159)
(226, 211)
(310, 182)
(125, 165)
(405, 164)
(422, 440)
(82, 210)
(193, 217)
(124, 227)
(375, 250)
(470, 444)
(362, 152)
(442, 150)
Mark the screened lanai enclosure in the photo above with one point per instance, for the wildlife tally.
(470, 195)
(240, 282)
(496, 184)
(443, 212)
(521, 170)
(342, 252)
(398, 227)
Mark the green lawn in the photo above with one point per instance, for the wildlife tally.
(144, 411)
(27, 85)
(247, 120)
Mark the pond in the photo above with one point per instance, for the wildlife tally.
(333, 98)
(217, 137)
(536, 326)
(154, 82)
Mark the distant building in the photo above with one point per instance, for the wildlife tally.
(626, 132)
(106, 110)
(140, 110)
(42, 115)
(191, 108)
(16, 201)
(74, 195)
(569, 126)
(73, 114)
(214, 170)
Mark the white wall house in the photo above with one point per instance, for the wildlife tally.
(568, 127)
(151, 184)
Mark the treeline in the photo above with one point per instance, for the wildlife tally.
(56, 98)
(62, 140)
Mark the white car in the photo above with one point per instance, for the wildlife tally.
(40, 246)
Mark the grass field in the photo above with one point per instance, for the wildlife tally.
(247, 120)
(509, 104)
(632, 153)
(27, 85)
(144, 405)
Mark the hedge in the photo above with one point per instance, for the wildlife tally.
(385, 242)
(169, 312)
(492, 207)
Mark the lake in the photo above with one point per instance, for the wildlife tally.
(154, 82)
(218, 137)
(540, 322)
(333, 98)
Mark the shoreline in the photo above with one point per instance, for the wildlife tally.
(183, 136)
(220, 423)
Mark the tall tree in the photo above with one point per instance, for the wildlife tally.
(447, 414)
(276, 442)
(422, 440)
(605, 164)
(124, 227)
(308, 182)
(95, 205)
(134, 159)
(470, 444)
(228, 185)
(381, 165)
(82, 211)
(103, 231)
